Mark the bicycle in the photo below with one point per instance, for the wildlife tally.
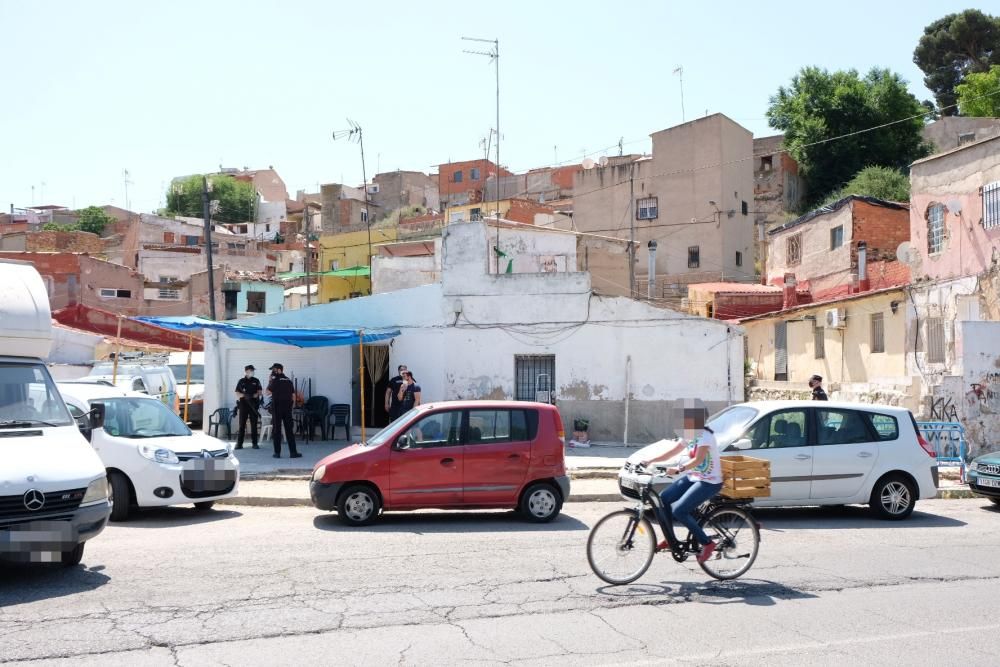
(631, 541)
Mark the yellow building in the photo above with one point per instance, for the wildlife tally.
(344, 251)
(477, 211)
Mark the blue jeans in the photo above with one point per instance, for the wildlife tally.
(684, 496)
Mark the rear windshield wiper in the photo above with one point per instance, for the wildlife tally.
(19, 423)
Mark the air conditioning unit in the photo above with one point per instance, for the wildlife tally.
(836, 318)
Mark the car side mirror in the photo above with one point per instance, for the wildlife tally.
(96, 415)
(740, 445)
(404, 442)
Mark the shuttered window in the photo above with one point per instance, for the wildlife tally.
(935, 340)
(819, 342)
(877, 333)
(781, 351)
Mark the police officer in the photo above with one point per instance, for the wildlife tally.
(248, 391)
(282, 393)
(816, 384)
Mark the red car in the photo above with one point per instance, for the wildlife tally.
(451, 455)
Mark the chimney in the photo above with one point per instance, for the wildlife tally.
(790, 297)
(863, 282)
(651, 289)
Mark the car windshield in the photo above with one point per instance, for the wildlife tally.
(730, 423)
(391, 430)
(180, 373)
(28, 397)
(140, 418)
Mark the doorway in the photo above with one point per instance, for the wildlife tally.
(376, 381)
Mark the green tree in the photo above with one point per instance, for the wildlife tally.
(880, 182)
(979, 94)
(93, 219)
(237, 199)
(820, 106)
(953, 47)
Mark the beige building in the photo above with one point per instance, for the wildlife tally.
(693, 195)
(950, 132)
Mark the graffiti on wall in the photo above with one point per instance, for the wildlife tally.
(942, 409)
(984, 396)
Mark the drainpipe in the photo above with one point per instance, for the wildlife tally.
(628, 393)
(863, 283)
(650, 289)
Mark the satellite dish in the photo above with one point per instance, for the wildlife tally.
(588, 163)
(604, 161)
(908, 255)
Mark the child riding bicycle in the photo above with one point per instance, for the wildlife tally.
(702, 474)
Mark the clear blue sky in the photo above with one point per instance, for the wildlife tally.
(171, 88)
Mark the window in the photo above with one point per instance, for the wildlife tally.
(168, 292)
(935, 340)
(334, 264)
(488, 426)
(139, 385)
(457, 177)
(877, 333)
(534, 377)
(840, 427)
(440, 429)
(191, 240)
(647, 208)
(966, 138)
(935, 228)
(112, 293)
(739, 258)
(373, 188)
(694, 257)
(836, 237)
(886, 427)
(765, 163)
(779, 430)
(991, 205)
(473, 174)
(267, 228)
(364, 216)
(456, 216)
(744, 208)
(819, 342)
(476, 214)
(256, 302)
(793, 250)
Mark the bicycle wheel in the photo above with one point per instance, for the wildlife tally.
(620, 548)
(737, 541)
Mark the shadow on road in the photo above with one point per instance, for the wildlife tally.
(20, 584)
(170, 517)
(842, 517)
(757, 592)
(450, 522)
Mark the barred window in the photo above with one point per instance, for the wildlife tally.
(694, 257)
(877, 333)
(793, 250)
(991, 205)
(935, 340)
(647, 208)
(819, 342)
(935, 228)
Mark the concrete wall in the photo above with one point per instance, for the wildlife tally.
(390, 274)
(954, 180)
(274, 297)
(944, 134)
(398, 189)
(156, 263)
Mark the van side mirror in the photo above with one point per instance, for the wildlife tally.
(404, 441)
(740, 445)
(96, 415)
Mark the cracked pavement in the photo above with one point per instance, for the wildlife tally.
(279, 586)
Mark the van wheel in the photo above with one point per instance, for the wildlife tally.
(205, 505)
(893, 498)
(540, 503)
(73, 556)
(358, 505)
(121, 496)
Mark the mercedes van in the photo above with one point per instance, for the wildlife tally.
(53, 488)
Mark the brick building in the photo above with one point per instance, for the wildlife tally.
(52, 241)
(74, 278)
(465, 182)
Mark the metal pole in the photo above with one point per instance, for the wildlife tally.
(187, 388)
(368, 215)
(361, 348)
(631, 232)
(207, 213)
(305, 216)
(118, 352)
(496, 52)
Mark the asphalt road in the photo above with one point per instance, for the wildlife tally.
(291, 586)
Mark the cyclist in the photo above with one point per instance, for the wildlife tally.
(701, 480)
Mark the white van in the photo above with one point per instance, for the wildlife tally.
(193, 393)
(152, 458)
(153, 379)
(53, 489)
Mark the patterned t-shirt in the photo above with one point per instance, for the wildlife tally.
(710, 470)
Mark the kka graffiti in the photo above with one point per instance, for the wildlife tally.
(942, 409)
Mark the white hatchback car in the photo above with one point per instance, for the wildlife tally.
(827, 453)
(152, 458)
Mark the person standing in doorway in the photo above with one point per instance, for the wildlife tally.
(282, 393)
(248, 391)
(816, 384)
(408, 393)
(391, 394)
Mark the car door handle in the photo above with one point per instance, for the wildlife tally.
(865, 455)
(447, 462)
(802, 457)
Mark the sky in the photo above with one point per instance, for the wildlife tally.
(162, 89)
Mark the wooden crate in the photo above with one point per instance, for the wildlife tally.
(745, 477)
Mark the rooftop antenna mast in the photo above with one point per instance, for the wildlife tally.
(355, 134)
(494, 56)
(679, 71)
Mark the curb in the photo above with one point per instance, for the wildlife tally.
(263, 501)
(305, 475)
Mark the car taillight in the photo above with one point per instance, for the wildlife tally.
(560, 430)
(927, 446)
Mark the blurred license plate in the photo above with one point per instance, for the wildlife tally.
(633, 484)
(992, 483)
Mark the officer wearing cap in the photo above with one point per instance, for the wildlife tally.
(816, 384)
(248, 391)
(282, 393)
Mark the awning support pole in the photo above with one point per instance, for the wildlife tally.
(361, 347)
(118, 351)
(187, 388)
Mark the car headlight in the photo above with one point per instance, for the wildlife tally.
(973, 467)
(96, 491)
(319, 473)
(159, 455)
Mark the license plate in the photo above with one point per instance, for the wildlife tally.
(992, 483)
(633, 484)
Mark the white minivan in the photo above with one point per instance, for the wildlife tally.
(191, 395)
(828, 453)
(152, 458)
(53, 489)
(157, 380)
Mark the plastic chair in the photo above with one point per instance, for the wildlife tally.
(340, 415)
(265, 425)
(315, 414)
(221, 417)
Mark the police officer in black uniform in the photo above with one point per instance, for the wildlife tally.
(248, 391)
(282, 393)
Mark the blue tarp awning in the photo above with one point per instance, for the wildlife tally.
(278, 335)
